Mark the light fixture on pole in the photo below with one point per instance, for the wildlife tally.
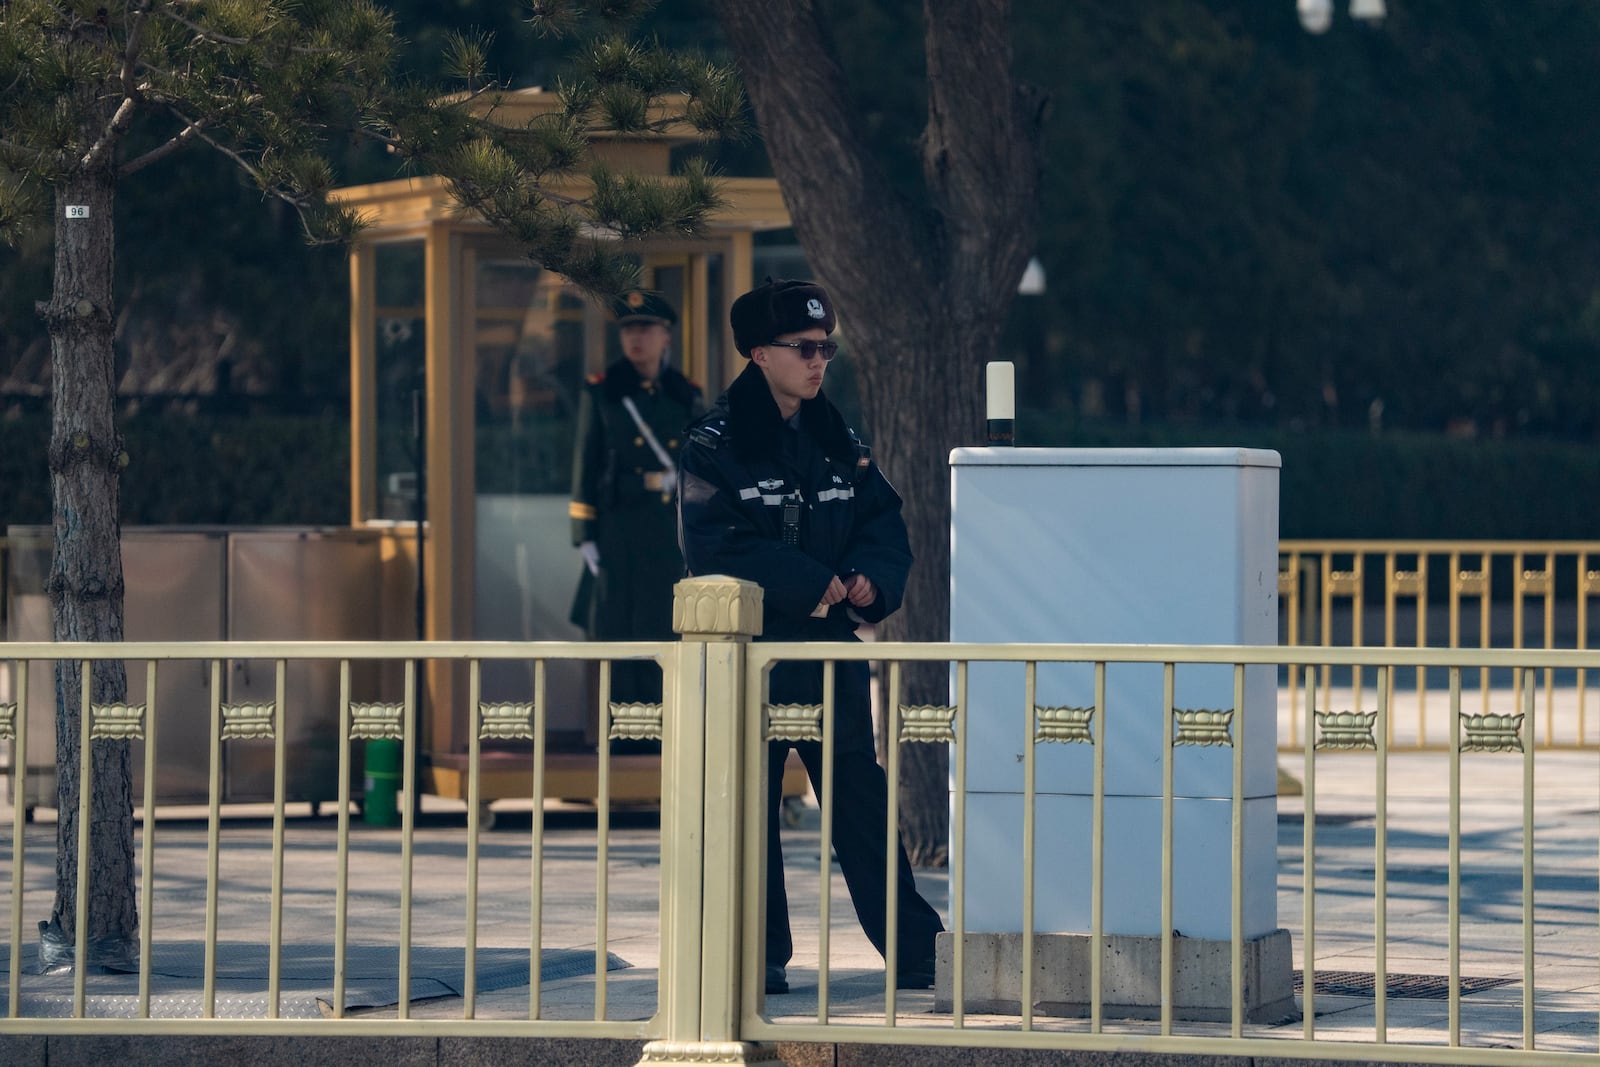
(1032, 283)
(1317, 15)
(1368, 11)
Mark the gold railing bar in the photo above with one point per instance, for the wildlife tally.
(469, 979)
(1586, 580)
(147, 844)
(1030, 766)
(958, 855)
(1487, 562)
(1422, 642)
(1380, 866)
(341, 912)
(754, 898)
(1389, 595)
(1384, 684)
(1293, 609)
(1167, 759)
(1455, 860)
(1327, 641)
(602, 855)
(536, 846)
(1517, 622)
(1097, 857)
(80, 972)
(1528, 955)
(19, 836)
(408, 827)
(213, 841)
(1357, 609)
(1237, 962)
(1549, 642)
(764, 653)
(1308, 862)
(824, 909)
(280, 786)
(891, 924)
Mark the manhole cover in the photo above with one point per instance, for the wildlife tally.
(1405, 986)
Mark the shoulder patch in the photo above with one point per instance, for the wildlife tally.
(709, 433)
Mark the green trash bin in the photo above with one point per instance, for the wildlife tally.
(381, 783)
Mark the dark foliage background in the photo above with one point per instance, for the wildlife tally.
(1370, 250)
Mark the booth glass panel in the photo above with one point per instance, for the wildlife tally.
(400, 337)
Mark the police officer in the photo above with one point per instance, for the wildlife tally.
(631, 422)
(776, 489)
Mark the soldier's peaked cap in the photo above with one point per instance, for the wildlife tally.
(637, 305)
(778, 307)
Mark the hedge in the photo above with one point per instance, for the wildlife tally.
(294, 470)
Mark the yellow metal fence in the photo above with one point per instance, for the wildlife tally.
(1445, 594)
(1406, 891)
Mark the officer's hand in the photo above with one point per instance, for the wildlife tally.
(860, 590)
(591, 556)
(831, 596)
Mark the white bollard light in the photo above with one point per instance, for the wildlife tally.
(1000, 392)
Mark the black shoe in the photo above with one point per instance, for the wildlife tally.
(914, 978)
(777, 978)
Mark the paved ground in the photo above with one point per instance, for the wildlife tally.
(1566, 929)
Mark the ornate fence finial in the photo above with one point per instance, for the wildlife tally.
(716, 608)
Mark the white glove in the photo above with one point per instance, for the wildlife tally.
(591, 556)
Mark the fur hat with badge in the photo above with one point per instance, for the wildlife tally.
(769, 311)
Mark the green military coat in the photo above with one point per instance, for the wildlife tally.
(620, 502)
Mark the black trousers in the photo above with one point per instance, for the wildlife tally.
(860, 817)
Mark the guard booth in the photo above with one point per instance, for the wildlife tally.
(467, 361)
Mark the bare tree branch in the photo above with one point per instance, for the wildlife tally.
(183, 137)
(130, 54)
(114, 129)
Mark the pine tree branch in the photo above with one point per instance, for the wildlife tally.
(236, 42)
(12, 148)
(200, 31)
(298, 203)
(183, 137)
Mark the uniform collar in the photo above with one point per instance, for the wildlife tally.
(622, 380)
(755, 421)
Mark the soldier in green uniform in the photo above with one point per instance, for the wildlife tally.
(631, 422)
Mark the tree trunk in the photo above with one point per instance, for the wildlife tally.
(86, 458)
(923, 290)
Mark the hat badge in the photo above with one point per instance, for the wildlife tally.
(635, 299)
(814, 308)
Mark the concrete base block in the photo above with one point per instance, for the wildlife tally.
(1130, 976)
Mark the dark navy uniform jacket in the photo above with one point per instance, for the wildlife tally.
(620, 501)
(743, 464)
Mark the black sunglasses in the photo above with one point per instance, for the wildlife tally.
(810, 349)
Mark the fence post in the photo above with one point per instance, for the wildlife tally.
(702, 828)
